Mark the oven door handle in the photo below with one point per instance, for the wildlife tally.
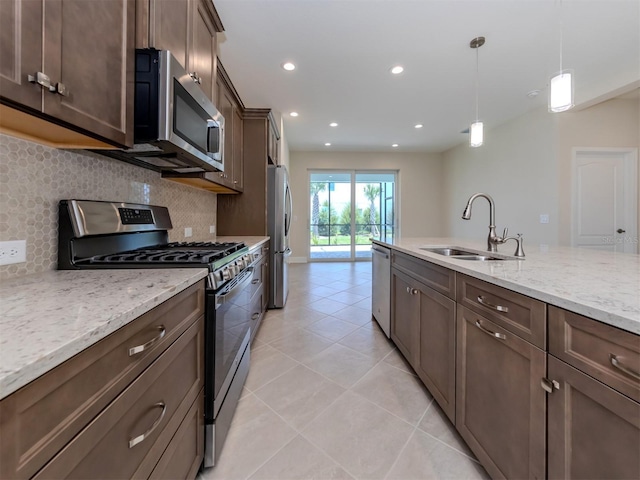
(225, 297)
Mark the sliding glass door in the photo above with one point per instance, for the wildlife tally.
(347, 209)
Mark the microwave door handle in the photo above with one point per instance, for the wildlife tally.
(211, 126)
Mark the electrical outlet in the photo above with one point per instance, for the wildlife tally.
(212, 229)
(14, 251)
(188, 232)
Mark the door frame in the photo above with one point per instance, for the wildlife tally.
(353, 172)
(630, 159)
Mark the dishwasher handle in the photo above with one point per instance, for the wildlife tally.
(381, 252)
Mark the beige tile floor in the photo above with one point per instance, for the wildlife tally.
(329, 397)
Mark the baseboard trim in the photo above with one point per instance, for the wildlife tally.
(297, 260)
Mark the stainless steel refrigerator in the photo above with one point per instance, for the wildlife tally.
(279, 211)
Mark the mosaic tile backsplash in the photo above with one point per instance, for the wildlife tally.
(33, 178)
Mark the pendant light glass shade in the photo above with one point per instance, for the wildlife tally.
(561, 91)
(476, 134)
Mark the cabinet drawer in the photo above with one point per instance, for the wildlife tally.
(130, 435)
(39, 419)
(606, 353)
(256, 311)
(439, 278)
(183, 456)
(522, 315)
(256, 279)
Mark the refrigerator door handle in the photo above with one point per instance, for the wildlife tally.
(287, 215)
(287, 252)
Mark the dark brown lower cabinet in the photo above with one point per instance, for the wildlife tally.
(423, 326)
(405, 315)
(437, 354)
(500, 405)
(594, 431)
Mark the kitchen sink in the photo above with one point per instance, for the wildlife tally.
(448, 251)
(462, 254)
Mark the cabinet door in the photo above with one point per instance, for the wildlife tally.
(238, 151)
(225, 107)
(594, 431)
(98, 93)
(405, 312)
(20, 51)
(437, 353)
(202, 54)
(500, 405)
(169, 27)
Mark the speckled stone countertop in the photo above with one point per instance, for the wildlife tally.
(250, 241)
(600, 285)
(47, 318)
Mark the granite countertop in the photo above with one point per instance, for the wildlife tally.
(600, 285)
(47, 318)
(250, 241)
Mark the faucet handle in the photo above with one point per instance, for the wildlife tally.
(504, 233)
(519, 250)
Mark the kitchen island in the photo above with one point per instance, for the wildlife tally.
(604, 286)
(535, 361)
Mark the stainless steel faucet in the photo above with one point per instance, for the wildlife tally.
(492, 239)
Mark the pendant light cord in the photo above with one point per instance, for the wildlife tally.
(477, 80)
(561, 29)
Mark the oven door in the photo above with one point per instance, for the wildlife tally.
(227, 338)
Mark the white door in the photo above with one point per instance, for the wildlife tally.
(605, 199)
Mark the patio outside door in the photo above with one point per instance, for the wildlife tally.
(347, 209)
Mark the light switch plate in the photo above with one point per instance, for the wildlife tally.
(188, 231)
(212, 229)
(544, 218)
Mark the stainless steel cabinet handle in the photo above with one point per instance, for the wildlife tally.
(60, 89)
(255, 316)
(140, 438)
(616, 363)
(489, 332)
(499, 308)
(412, 291)
(41, 79)
(141, 348)
(255, 280)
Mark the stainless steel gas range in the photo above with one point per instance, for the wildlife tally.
(94, 235)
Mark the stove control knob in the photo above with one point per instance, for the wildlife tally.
(226, 274)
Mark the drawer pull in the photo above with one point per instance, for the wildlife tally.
(255, 280)
(412, 291)
(489, 332)
(140, 438)
(616, 363)
(141, 348)
(499, 308)
(255, 316)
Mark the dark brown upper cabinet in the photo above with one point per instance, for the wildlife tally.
(187, 28)
(52, 74)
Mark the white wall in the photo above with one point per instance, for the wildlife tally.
(614, 123)
(419, 188)
(525, 165)
(517, 166)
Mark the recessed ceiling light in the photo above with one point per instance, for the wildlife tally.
(327, 144)
(419, 125)
(289, 66)
(294, 114)
(333, 124)
(397, 69)
(394, 145)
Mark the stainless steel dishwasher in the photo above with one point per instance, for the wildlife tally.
(381, 290)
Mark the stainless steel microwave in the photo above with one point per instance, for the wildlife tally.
(177, 128)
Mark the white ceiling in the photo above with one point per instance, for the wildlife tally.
(344, 49)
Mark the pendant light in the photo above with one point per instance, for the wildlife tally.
(561, 84)
(476, 131)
